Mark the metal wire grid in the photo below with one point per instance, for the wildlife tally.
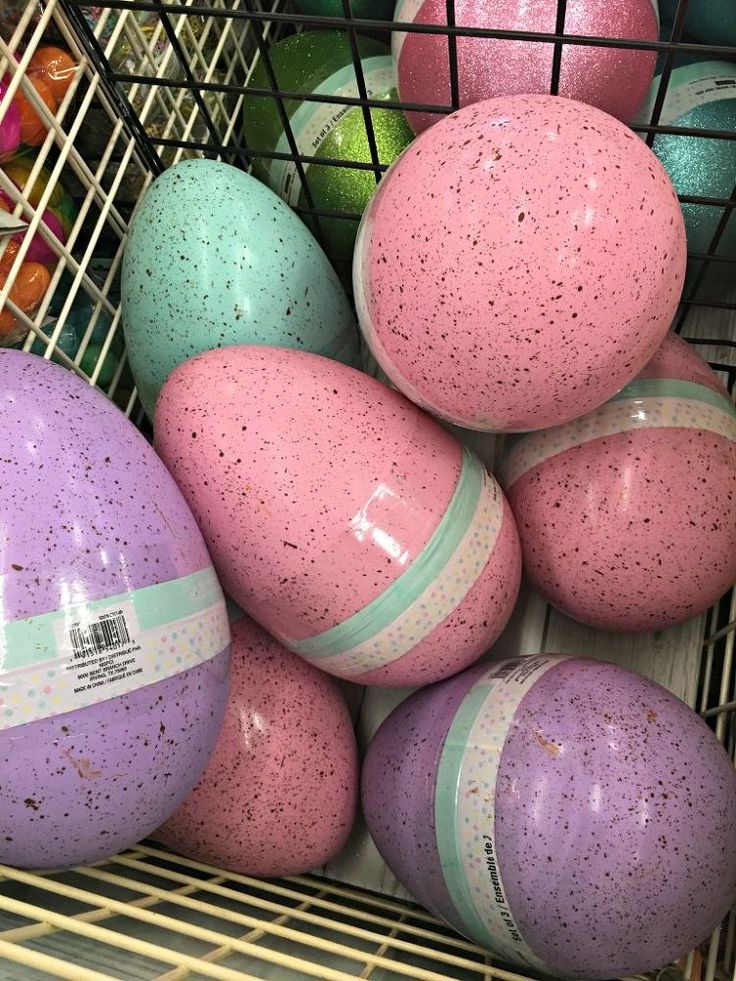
(235, 150)
(90, 144)
(168, 917)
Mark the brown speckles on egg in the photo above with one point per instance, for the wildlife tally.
(278, 796)
(92, 513)
(634, 529)
(443, 237)
(317, 496)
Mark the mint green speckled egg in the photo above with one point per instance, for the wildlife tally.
(215, 258)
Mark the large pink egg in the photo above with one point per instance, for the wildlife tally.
(519, 263)
(114, 638)
(279, 794)
(613, 79)
(627, 516)
(574, 818)
(351, 525)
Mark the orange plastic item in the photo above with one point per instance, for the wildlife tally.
(55, 67)
(32, 128)
(28, 289)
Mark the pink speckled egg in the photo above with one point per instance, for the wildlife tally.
(279, 794)
(572, 817)
(519, 263)
(347, 522)
(613, 79)
(627, 516)
(114, 637)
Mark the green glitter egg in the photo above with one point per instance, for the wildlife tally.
(370, 9)
(321, 62)
(701, 96)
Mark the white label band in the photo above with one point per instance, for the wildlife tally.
(89, 652)
(465, 805)
(611, 419)
(689, 87)
(313, 122)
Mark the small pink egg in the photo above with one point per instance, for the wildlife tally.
(627, 516)
(350, 524)
(519, 263)
(279, 794)
(613, 79)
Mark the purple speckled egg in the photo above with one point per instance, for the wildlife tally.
(114, 640)
(574, 818)
(627, 516)
(519, 263)
(347, 522)
(279, 794)
(613, 79)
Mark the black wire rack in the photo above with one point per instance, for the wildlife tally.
(285, 19)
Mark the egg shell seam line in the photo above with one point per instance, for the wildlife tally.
(93, 674)
(612, 419)
(397, 598)
(443, 595)
(465, 810)
(674, 388)
(28, 641)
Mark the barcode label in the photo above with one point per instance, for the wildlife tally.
(109, 633)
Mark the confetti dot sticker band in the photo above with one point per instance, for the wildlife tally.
(89, 652)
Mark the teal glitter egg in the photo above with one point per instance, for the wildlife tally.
(701, 96)
(321, 62)
(711, 21)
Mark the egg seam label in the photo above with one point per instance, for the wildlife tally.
(465, 795)
(313, 122)
(91, 651)
(421, 598)
(689, 87)
(709, 412)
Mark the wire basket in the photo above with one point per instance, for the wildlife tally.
(157, 82)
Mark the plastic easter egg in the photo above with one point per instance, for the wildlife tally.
(114, 638)
(701, 95)
(369, 9)
(613, 79)
(19, 168)
(352, 526)
(528, 802)
(711, 21)
(627, 516)
(279, 794)
(27, 290)
(322, 62)
(56, 67)
(9, 125)
(504, 295)
(215, 258)
(33, 127)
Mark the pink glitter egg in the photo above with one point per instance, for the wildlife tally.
(613, 79)
(348, 523)
(519, 263)
(627, 516)
(279, 794)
